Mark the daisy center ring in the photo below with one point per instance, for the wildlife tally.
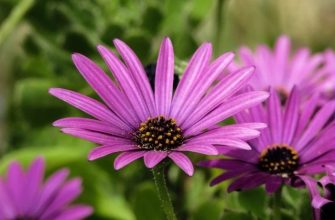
(158, 134)
(279, 159)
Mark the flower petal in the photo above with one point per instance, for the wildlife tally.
(152, 158)
(183, 162)
(164, 78)
(105, 150)
(198, 148)
(126, 158)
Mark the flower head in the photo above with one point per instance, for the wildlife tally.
(24, 195)
(298, 141)
(324, 203)
(140, 122)
(282, 68)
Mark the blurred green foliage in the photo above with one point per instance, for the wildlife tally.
(37, 38)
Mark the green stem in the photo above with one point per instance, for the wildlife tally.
(159, 178)
(218, 24)
(14, 18)
(277, 204)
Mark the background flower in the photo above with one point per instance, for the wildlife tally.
(282, 68)
(24, 195)
(297, 142)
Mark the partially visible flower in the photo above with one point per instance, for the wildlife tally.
(140, 122)
(324, 203)
(24, 194)
(282, 68)
(299, 139)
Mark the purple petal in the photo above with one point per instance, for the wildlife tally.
(195, 67)
(164, 78)
(198, 148)
(33, 182)
(275, 116)
(7, 208)
(222, 91)
(102, 151)
(230, 142)
(203, 83)
(126, 158)
(94, 137)
(316, 124)
(248, 182)
(273, 184)
(228, 109)
(50, 190)
(137, 71)
(105, 87)
(69, 191)
(75, 212)
(129, 87)
(89, 106)
(226, 164)
(90, 124)
(311, 185)
(183, 162)
(291, 116)
(243, 155)
(152, 158)
(15, 178)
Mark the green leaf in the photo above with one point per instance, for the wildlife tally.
(209, 210)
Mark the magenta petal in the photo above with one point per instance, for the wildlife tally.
(152, 158)
(137, 71)
(94, 137)
(164, 78)
(126, 158)
(7, 207)
(105, 87)
(90, 124)
(89, 106)
(195, 67)
(273, 184)
(65, 195)
(228, 109)
(15, 178)
(198, 148)
(102, 151)
(183, 162)
(275, 118)
(33, 182)
(291, 116)
(126, 81)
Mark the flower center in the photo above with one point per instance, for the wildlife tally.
(279, 159)
(159, 134)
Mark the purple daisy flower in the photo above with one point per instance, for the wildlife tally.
(299, 139)
(282, 68)
(24, 195)
(139, 122)
(324, 204)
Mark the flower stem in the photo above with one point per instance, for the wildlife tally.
(159, 178)
(277, 204)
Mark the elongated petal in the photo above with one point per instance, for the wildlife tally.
(316, 124)
(203, 83)
(198, 148)
(126, 158)
(105, 88)
(291, 116)
(128, 85)
(183, 162)
(195, 67)
(105, 150)
(228, 109)
(164, 78)
(228, 86)
(89, 106)
(137, 71)
(90, 124)
(152, 158)
(94, 137)
(275, 116)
